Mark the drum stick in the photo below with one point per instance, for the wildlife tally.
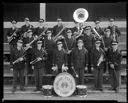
(75, 72)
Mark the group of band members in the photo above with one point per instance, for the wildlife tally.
(77, 52)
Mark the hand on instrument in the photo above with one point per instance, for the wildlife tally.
(33, 67)
(106, 49)
(39, 58)
(86, 68)
(21, 59)
(112, 66)
(92, 68)
(11, 69)
(54, 68)
(69, 51)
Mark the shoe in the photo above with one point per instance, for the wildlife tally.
(35, 90)
(13, 90)
(22, 89)
(101, 89)
(111, 89)
(117, 90)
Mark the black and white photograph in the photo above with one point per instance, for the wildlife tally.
(65, 51)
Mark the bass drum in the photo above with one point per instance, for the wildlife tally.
(64, 84)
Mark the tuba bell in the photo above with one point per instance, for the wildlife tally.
(80, 15)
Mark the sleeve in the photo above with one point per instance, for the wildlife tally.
(92, 58)
(86, 57)
(65, 59)
(118, 31)
(54, 58)
(118, 60)
(11, 57)
(72, 57)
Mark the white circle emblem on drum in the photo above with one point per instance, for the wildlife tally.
(64, 84)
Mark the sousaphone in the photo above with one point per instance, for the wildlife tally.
(80, 15)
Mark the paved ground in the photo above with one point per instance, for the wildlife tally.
(92, 95)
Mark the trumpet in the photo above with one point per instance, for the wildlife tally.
(12, 36)
(18, 60)
(29, 44)
(35, 61)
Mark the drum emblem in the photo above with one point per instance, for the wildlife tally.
(64, 85)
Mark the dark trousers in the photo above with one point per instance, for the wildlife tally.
(98, 77)
(114, 78)
(29, 59)
(89, 61)
(49, 64)
(69, 64)
(20, 72)
(38, 73)
(80, 79)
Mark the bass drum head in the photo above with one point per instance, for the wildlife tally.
(64, 84)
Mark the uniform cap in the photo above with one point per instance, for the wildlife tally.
(13, 22)
(20, 41)
(41, 20)
(26, 19)
(114, 42)
(39, 42)
(59, 19)
(29, 30)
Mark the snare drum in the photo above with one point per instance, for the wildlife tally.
(81, 90)
(64, 84)
(47, 90)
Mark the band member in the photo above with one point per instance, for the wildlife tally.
(115, 32)
(25, 28)
(57, 28)
(79, 60)
(18, 67)
(39, 56)
(69, 44)
(107, 41)
(97, 58)
(40, 29)
(50, 45)
(59, 59)
(29, 52)
(98, 28)
(13, 35)
(114, 59)
(88, 40)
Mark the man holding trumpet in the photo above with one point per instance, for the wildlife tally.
(18, 65)
(38, 58)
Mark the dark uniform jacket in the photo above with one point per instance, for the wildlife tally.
(15, 54)
(107, 41)
(95, 55)
(50, 45)
(25, 28)
(59, 58)
(88, 41)
(99, 31)
(70, 43)
(10, 32)
(57, 29)
(115, 58)
(117, 31)
(39, 53)
(79, 58)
